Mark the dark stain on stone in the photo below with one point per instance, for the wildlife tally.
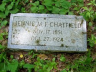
(73, 40)
(37, 42)
(62, 45)
(44, 18)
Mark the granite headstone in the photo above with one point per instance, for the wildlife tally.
(50, 32)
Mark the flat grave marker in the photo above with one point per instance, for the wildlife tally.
(50, 32)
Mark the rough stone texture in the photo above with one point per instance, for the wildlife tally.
(47, 32)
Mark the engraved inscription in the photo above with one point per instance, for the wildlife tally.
(46, 31)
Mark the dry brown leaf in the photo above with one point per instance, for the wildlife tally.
(1, 31)
(30, 1)
(94, 57)
(69, 0)
(43, 56)
(28, 58)
(58, 57)
(4, 42)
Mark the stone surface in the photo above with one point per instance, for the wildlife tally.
(47, 32)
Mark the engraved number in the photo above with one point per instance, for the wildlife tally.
(46, 38)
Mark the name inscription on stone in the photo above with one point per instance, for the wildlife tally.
(47, 32)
